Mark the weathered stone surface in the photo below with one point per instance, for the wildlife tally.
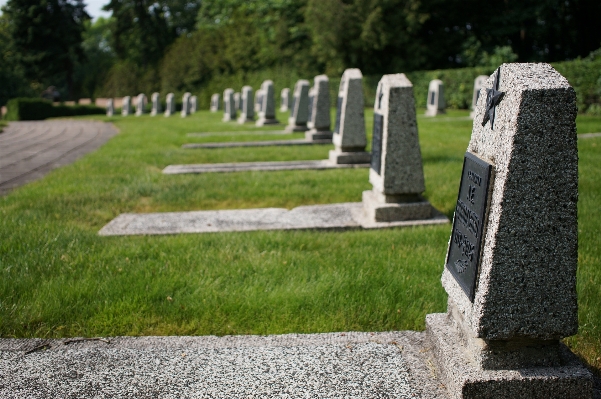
(156, 104)
(479, 83)
(284, 99)
(126, 106)
(185, 105)
(300, 108)
(110, 109)
(349, 135)
(215, 103)
(247, 114)
(140, 104)
(229, 109)
(267, 112)
(436, 103)
(319, 110)
(170, 106)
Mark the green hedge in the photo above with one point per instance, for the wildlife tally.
(35, 109)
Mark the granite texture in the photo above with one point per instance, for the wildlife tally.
(330, 216)
(332, 365)
(110, 107)
(248, 107)
(170, 106)
(140, 104)
(215, 103)
(284, 99)
(126, 106)
(350, 136)
(479, 83)
(436, 89)
(297, 122)
(185, 105)
(265, 143)
(156, 104)
(338, 157)
(259, 166)
(229, 110)
(320, 123)
(383, 211)
(267, 112)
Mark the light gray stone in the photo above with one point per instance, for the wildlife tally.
(140, 104)
(237, 102)
(267, 112)
(193, 104)
(215, 103)
(319, 110)
(349, 134)
(126, 106)
(238, 133)
(479, 83)
(258, 166)
(110, 108)
(185, 105)
(170, 105)
(229, 108)
(247, 114)
(258, 101)
(284, 99)
(265, 143)
(525, 298)
(297, 122)
(436, 104)
(156, 104)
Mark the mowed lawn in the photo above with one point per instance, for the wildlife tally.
(58, 278)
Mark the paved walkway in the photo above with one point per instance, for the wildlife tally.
(29, 150)
(335, 365)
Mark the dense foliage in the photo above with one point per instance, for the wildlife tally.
(35, 109)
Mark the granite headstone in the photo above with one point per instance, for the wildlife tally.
(110, 109)
(126, 106)
(170, 105)
(229, 109)
(297, 122)
(247, 115)
(140, 104)
(215, 103)
(185, 105)
(478, 84)
(319, 122)
(267, 112)
(156, 104)
(436, 104)
(284, 99)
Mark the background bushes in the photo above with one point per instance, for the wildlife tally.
(34, 109)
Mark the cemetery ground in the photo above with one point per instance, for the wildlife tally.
(58, 278)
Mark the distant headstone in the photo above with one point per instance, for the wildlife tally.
(284, 99)
(215, 104)
(193, 104)
(478, 84)
(349, 134)
(110, 109)
(237, 102)
(319, 121)
(267, 113)
(510, 271)
(258, 101)
(247, 115)
(396, 172)
(126, 106)
(229, 108)
(297, 122)
(155, 98)
(185, 105)
(140, 104)
(436, 104)
(170, 108)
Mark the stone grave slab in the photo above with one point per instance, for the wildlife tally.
(265, 143)
(140, 104)
(126, 106)
(284, 99)
(185, 105)
(247, 111)
(155, 98)
(436, 103)
(110, 108)
(229, 109)
(479, 83)
(170, 106)
(215, 103)
(267, 111)
(193, 104)
(319, 122)
(297, 122)
(257, 166)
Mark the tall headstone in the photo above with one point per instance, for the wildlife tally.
(436, 104)
(215, 105)
(170, 105)
(140, 104)
(229, 109)
(185, 105)
(478, 84)
(319, 110)
(155, 98)
(299, 114)
(237, 102)
(126, 106)
(110, 109)
(396, 172)
(349, 134)
(267, 112)
(258, 101)
(247, 115)
(284, 99)
(193, 104)
(510, 270)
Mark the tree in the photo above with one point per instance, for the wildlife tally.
(47, 36)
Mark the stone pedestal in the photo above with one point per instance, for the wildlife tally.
(393, 208)
(267, 112)
(436, 104)
(319, 121)
(300, 108)
(247, 115)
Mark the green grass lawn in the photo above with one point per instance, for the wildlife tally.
(58, 278)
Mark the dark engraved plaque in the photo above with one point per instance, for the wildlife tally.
(311, 99)
(376, 143)
(463, 259)
(432, 97)
(338, 115)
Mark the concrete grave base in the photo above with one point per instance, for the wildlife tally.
(322, 217)
(242, 120)
(264, 122)
(339, 157)
(266, 143)
(237, 133)
(465, 380)
(257, 166)
(313, 135)
(379, 210)
(434, 112)
(296, 128)
(227, 118)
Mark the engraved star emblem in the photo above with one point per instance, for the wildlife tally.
(493, 98)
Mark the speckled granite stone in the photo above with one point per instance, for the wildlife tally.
(229, 109)
(320, 122)
(300, 113)
(267, 111)
(479, 83)
(248, 107)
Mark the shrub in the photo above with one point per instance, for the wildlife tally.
(35, 109)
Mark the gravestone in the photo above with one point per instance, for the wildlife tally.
(436, 104)
(140, 104)
(510, 271)
(319, 121)
(237, 102)
(299, 113)
(193, 104)
(396, 172)
(215, 105)
(478, 84)
(258, 100)
(247, 115)
(284, 99)
(349, 134)
(170, 105)
(126, 106)
(110, 109)
(229, 109)
(156, 104)
(267, 112)
(185, 105)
